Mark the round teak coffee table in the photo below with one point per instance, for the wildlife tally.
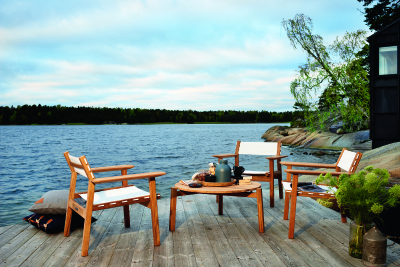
(233, 190)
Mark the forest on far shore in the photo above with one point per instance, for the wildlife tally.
(50, 115)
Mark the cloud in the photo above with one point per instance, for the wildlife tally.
(202, 55)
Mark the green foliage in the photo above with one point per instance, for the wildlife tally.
(381, 14)
(363, 193)
(333, 81)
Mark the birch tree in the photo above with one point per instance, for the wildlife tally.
(332, 83)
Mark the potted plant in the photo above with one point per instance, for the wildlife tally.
(365, 195)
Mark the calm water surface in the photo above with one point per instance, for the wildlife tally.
(32, 163)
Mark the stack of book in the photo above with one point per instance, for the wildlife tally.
(246, 180)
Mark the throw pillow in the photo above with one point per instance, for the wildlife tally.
(52, 202)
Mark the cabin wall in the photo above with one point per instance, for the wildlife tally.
(384, 90)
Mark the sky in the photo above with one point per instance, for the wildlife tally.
(159, 54)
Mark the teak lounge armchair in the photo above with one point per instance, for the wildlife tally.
(263, 149)
(108, 198)
(347, 161)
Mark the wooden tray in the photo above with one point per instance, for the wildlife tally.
(217, 184)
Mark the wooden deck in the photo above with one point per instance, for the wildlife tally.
(202, 238)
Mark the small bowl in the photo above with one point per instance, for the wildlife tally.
(210, 178)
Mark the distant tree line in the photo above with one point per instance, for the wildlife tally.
(38, 114)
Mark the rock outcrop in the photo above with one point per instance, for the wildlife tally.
(317, 140)
(387, 157)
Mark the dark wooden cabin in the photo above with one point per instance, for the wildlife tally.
(384, 85)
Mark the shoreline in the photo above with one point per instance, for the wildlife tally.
(146, 123)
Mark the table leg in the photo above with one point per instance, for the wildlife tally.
(220, 204)
(271, 184)
(172, 209)
(260, 208)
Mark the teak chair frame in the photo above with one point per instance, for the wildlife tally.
(149, 201)
(262, 176)
(291, 195)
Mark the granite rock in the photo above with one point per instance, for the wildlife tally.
(317, 140)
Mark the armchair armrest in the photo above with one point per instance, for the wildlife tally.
(276, 157)
(310, 165)
(127, 177)
(310, 172)
(221, 156)
(112, 168)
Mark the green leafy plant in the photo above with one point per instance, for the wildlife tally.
(364, 193)
(332, 83)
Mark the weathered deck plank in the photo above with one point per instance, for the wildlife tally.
(202, 248)
(243, 251)
(125, 246)
(23, 252)
(202, 238)
(16, 242)
(183, 248)
(144, 249)
(263, 251)
(219, 243)
(335, 241)
(278, 245)
(164, 254)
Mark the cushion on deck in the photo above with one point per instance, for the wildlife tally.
(54, 223)
(116, 194)
(52, 202)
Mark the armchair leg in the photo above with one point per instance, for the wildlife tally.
(88, 220)
(260, 210)
(86, 234)
(271, 193)
(286, 207)
(172, 209)
(126, 207)
(67, 225)
(271, 183)
(293, 203)
(126, 216)
(280, 186)
(154, 211)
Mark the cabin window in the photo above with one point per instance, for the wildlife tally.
(387, 60)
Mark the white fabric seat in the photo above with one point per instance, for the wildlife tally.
(116, 194)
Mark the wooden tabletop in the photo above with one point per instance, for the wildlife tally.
(219, 189)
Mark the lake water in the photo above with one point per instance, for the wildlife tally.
(32, 161)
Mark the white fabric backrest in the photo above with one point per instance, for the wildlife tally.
(77, 161)
(346, 160)
(258, 148)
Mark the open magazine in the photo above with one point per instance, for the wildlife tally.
(310, 187)
(186, 182)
